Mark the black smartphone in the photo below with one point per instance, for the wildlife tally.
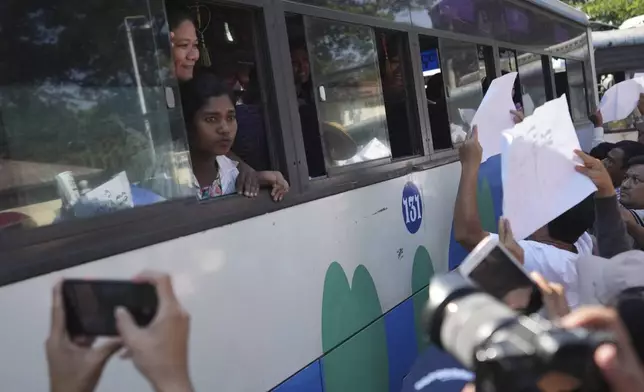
(495, 270)
(90, 305)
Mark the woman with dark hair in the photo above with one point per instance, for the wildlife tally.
(185, 44)
(185, 54)
(211, 124)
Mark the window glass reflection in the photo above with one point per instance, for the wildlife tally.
(508, 59)
(533, 84)
(84, 125)
(462, 16)
(346, 77)
(464, 75)
(435, 93)
(577, 88)
(395, 10)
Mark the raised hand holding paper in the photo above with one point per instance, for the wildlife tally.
(538, 169)
(620, 100)
(493, 115)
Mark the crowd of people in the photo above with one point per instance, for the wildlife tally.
(591, 255)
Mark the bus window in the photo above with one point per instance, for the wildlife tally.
(228, 51)
(305, 96)
(398, 92)
(508, 58)
(464, 67)
(577, 88)
(569, 80)
(84, 110)
(532, 80)
(389, 9)
(341, 65)
(435, 93)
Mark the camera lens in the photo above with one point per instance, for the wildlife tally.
(458, 318)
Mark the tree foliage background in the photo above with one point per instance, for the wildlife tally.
(610, 11)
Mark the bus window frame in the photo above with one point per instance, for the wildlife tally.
(34, 252)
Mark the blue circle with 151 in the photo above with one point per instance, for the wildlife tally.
(412, 207)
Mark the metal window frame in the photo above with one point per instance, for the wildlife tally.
(34, 252)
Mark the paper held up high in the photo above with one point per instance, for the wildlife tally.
(493, 115)
(538, 169)
(620, 100)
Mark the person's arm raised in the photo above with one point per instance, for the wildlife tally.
(468, 230)
(610, 229)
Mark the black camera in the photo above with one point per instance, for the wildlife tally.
(507, 351)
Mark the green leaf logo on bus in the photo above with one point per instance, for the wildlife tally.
(360, 363)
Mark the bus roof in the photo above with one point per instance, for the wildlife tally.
(562, 9)
(617, 38)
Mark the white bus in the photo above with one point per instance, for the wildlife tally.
(320, 292)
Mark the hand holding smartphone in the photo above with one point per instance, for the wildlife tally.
(496, 271)
(90, 305)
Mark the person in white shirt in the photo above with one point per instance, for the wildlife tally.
(211, 126)
(550, 251)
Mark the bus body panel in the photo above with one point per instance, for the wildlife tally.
(257, 307)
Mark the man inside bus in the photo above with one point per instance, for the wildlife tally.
(549, 251)
(308, 114)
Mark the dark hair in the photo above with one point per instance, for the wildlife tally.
(601, 150)
(570, 225)
(178, 15)
(196, 92)
(638, 160)
(631, 149)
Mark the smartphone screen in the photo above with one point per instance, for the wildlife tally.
(500, 277)
(90, 305)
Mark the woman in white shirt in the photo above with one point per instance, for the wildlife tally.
(211, 125)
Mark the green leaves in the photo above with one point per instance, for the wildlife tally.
(610, 11)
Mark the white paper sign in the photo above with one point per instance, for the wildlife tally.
(493, 115)
(620, 100)
(538, 169)
(116, 193)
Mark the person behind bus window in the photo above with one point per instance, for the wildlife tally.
(185, 53)
(437, 107)
(185, 44)
(211, 124)
(308, 113)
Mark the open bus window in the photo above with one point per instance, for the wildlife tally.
(569, 80)
(228, 50)
(435, 93)
(398, 92)
(337, 78)
(85, 120)
(465, 72)
(532, 79)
